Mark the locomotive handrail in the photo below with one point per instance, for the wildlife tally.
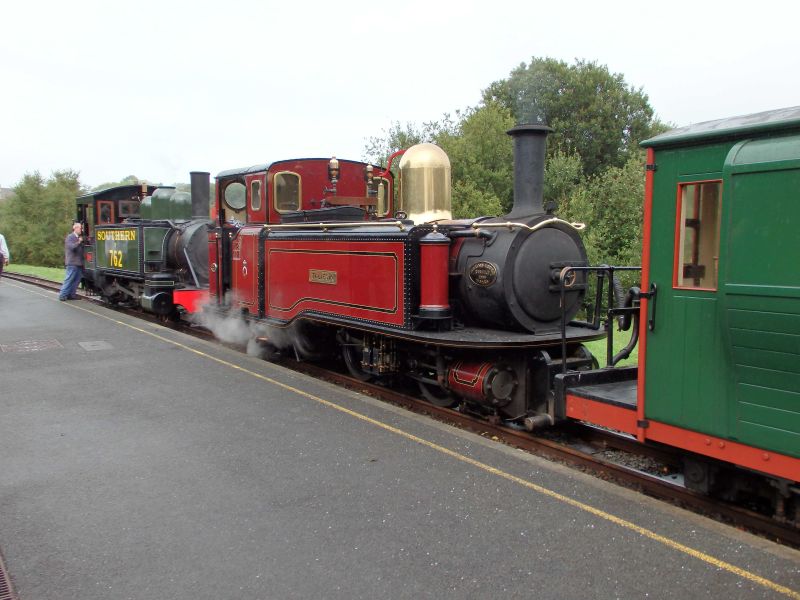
(602, 272)
(325, 226)
(540, 225)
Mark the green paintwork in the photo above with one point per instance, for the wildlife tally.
(160, 207)
(154, 250)
(727, 362)
(117, 248)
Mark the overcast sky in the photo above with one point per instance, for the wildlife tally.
(157, 88)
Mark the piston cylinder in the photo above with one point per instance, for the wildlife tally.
(486, 383)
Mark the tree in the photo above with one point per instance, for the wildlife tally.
(39, 215)
(611, 206)
(129, 180)
(594, 113)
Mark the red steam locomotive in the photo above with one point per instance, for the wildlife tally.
(317, 257)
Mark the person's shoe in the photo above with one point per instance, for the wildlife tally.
(61, 299)
(74, 298)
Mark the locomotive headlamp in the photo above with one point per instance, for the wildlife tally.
(333, 169)
(368, 174)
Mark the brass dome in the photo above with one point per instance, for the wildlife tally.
(425, 183)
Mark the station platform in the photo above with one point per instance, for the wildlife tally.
(138, 462)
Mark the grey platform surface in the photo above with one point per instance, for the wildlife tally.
(140, 463)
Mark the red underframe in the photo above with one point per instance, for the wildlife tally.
(624, 419)
(191, 300)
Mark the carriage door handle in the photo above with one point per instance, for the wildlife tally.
(651, 306)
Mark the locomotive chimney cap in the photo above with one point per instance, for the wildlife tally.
(529, 128)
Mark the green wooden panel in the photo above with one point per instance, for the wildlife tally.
(768, 414)
(117, 248)
(764, 371)
(763, 229)
(727, 362)
(782, 402)
(762, 291)
(765, 340)
(685, 366)
(154, 250)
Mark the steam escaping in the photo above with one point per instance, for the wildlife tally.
(528, 95)
(259, 339)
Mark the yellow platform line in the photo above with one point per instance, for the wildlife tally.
(697, 554)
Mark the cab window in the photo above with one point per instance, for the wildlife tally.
(129, 209)
(105, 210)
(286, 191)
(255, 195)
(697, 243)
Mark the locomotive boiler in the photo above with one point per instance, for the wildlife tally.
(146, 246)
(317, 257)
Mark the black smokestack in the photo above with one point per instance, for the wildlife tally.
(530, 144)
(201, 194)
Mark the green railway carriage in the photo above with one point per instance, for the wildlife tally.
(724, 355)
(719, 358)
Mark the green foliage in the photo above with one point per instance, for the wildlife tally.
(594, 113)
(469, 200)
(594, 171)
(38, 217)
(399, 137)
(482, 161)
(129, 180)
(611, 206)
(49, 273)
(563, 177)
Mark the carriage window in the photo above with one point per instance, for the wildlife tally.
(235, 195)
(287, 191)
(697, 247)
(255, 195)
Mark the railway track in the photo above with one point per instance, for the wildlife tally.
(605, 454)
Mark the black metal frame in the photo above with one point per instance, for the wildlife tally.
(602, 272)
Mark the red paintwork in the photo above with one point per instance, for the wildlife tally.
(214, 212)
(601, 413)
(368, 284)
(213, 259)
(624, 419)
(260, 215)
(757, 459)
(467, 380)
(434, 279)
(244, 268)
(644, 303)
(191, 300)
(315, 184)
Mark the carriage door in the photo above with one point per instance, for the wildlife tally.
(685, 361)
(760, 287)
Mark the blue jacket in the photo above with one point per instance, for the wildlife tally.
(73, 252)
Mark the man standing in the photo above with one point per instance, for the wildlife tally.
(73, 260)
(5, 256)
